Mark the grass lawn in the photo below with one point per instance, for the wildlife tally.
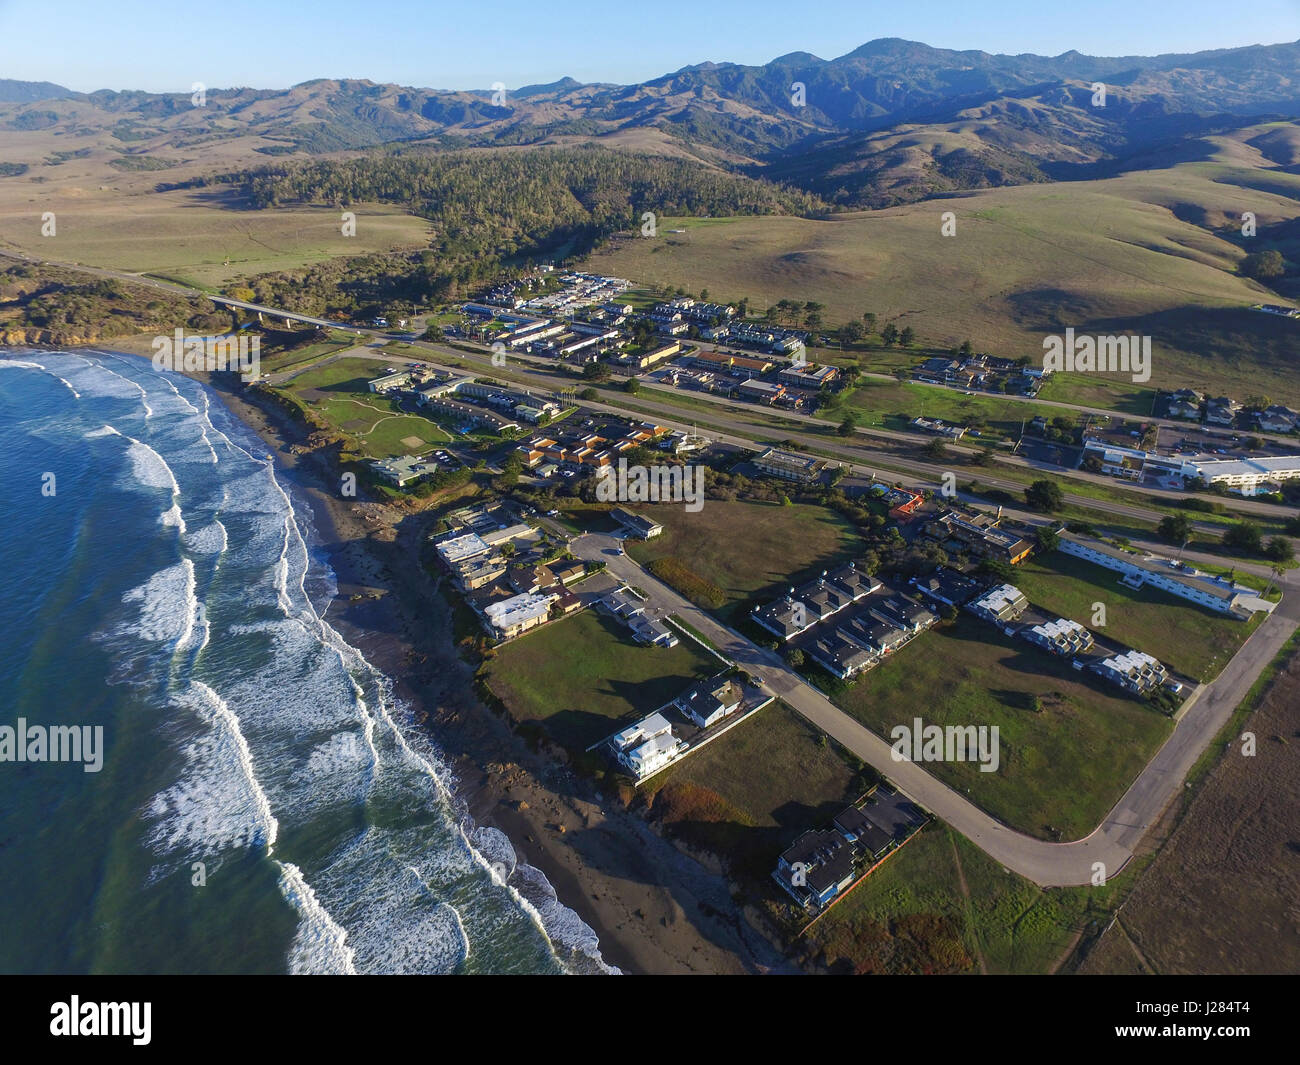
(1184, 636)
(749, 549)
(1061, 768)
(715, 798)
(584, 675)
(913, 916)
(892, 404)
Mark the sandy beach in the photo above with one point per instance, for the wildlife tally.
(655, 909)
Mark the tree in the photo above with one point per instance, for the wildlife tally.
(632, 387)
(847, 426)
(1279, 549)
(1045, 495)
(869, 320)
(935, 449)
(965, 350)
(1244, 536)
(907, 336)
(1048, 540)
(889, 335)
(595, 371)
(795, 657)
(1092, 462)
(588, 394)
(851, 332)
(1174, 528)
(1263, 265)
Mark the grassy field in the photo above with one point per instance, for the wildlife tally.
(196, 237)
(1143, 252)
(748, 548)
(717, 800)
(579, 698)
(1184, 636)
(941, 905)
(1069, 745)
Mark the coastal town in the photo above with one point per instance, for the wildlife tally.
(561, 534)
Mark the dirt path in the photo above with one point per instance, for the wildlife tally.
(970, 912)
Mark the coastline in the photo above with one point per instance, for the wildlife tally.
(653, 908)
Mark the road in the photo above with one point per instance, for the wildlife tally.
(1107, 849)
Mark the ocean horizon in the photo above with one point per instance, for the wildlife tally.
(265, 803)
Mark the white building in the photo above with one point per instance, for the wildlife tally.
(647, 746)
(519, 613)
(1002, 603)
(1163, 573)
(459, 548)
(1248, 477)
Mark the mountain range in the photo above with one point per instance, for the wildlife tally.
(889, 122)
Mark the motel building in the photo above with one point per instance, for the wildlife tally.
(1247, 477)
(1138, 570)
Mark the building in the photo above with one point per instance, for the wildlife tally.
(500, 535)
(519, 613)
(898, 610)
(459, 548)
(879, 637)
(403, 470)
(390, 382)
(1277, 419)
(841, 656)
(1003, 603)
(801, 609)
(709, 701)
(637, 525)
(860, 830)
(808, 376)
(947, 587)
(980, 534)
(760, 391)
(648, 746)
(1185, 403)
(790, 466)
(1060, 637)
(1133, 671)
(1169, 576)
(1221, 411)
(816, 868)
(568, 571)
(1248, 477)
(474, 573)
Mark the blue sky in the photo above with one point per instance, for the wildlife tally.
(165, 47)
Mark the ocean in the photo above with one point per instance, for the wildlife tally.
(265, 804)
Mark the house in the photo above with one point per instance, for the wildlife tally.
(709, 701)
(785, 618)
(898, 610)
(390, 382)
(1133, 671)
(474, 573)
(519, 613)
(816, 867)
(568, 571)
(841, 656)
(981, 534)
(877, 636)
(1060, 637)
(403, 470)
(1221, 411)
(529, 578)
(1185, 403)
(458, 548)
(947, 587)
(1278, 419)
(859, 829)
(647, 746)
(1006, 602)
